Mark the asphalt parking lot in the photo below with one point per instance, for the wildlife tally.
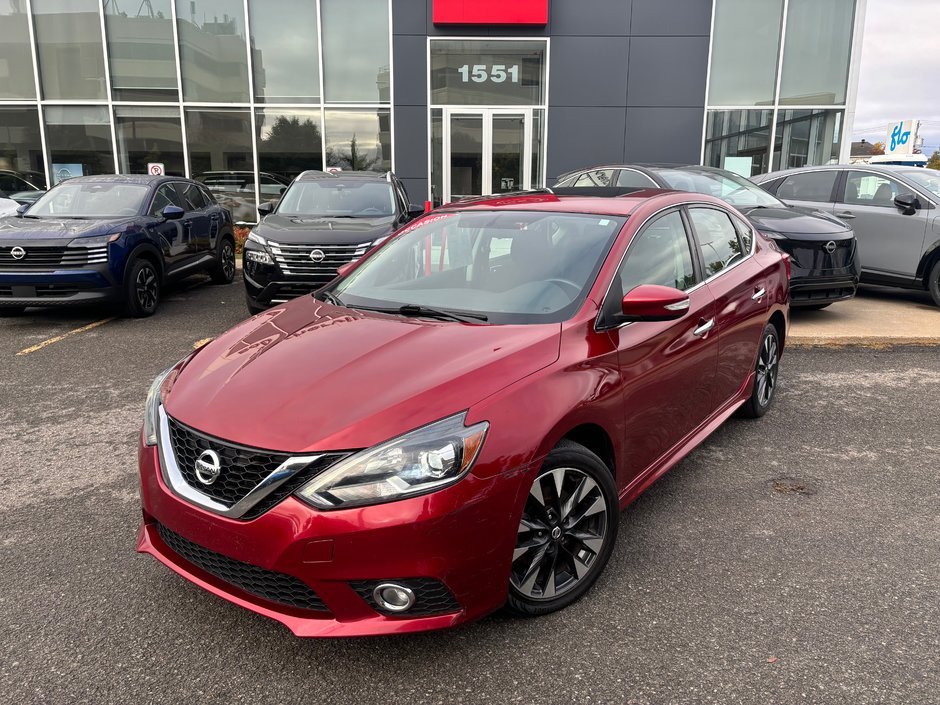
(794, 559)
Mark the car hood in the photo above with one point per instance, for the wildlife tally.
(798, 223)
(54, 229)
(309, 376)
(301, 230)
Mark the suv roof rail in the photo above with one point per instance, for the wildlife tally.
(310, 171)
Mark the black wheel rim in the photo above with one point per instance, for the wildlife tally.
(228, 260)
(767, 362)
(147, 288)
(561, 534)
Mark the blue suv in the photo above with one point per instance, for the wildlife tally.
(115, 239)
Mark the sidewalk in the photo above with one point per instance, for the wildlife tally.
(876, 317)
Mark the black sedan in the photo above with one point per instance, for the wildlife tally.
(822, 248)
(112, 238)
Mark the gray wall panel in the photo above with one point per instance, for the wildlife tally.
(664, 135)
(411, 145)
(410, 16)
(602, 81)
(411, 69)
(583, 136)
(590, 17)
(667, 71)
(671, 17)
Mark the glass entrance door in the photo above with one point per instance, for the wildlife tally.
(486, 152)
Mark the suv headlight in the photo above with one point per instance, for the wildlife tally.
(256, 250)
(424, 460)
(94, 241)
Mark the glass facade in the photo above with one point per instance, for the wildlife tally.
(242, 100)
(778, 83)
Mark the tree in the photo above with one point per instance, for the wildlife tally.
(877, 148)
(291, 146)
(353, 160)
(934, 161)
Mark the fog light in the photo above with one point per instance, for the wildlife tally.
(394, 598)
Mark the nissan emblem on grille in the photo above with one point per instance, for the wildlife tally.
(317, 255)
(208, 467)
(830, 247)
(17, 252)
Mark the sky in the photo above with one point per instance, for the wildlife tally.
(899, 76)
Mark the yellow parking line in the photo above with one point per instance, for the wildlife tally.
(203, 341)
(58, 338)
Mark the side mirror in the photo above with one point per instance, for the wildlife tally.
(21, 210)
(172, 213)
(265, 209)
(415, 211)
(651, 302)
(907, 202)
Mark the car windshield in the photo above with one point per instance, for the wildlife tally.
(354, 198)
(90, 200)
(729, 187)
(928, 179)
(510, 266)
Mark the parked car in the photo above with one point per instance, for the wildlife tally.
(455, 423)
(822, 248)
(235, 190)
(112, 238)
(16, 181)
(893, 211)
(322, 222)
(7, 205)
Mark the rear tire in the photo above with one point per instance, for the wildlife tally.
(566, 534)
(933, 282)
(11, 311)
(223, 271)
(765, 379)
(142, 288)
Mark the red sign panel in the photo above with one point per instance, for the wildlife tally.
(491, 12)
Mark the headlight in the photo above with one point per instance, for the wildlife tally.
(254, 237)
(773, 235)
(259, 256)
(421, 461)
(151, 406)
(94, 241)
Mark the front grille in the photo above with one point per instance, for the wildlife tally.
(431, 596)
(276, 587)
(41, 257)
(813, 256)
(243, 468)
(295, 259)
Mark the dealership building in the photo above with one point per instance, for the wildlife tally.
(458, 97)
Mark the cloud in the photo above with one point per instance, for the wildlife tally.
(899, 70)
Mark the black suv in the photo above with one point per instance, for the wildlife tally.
(112, 238)
(322, 222)
(822, 248)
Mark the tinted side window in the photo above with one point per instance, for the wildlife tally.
(745, 234)
(193, 197)
(166, 196)
(865, 189)
(811, 186)
(660, 254)
(208, 195)
(717, 237)
(628, 177)
(598, 177)
(13, 184)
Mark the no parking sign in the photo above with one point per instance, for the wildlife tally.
(156, 169)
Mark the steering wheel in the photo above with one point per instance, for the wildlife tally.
(567, 285)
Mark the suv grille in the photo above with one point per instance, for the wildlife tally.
(40, 257)
(295, 260)
(276, 587)
(813, 256)
(431, 596)
(242, 468)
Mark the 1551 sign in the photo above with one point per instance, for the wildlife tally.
(481, 73)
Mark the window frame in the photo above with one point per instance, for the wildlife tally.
(166, 184)
(855, 204)
(833, 191)
(698, 249)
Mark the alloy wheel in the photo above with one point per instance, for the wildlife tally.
(146, 284)
(767, 370)
(228, 260)
(561, 534)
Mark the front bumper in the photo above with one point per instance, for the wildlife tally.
(459, 539)
(265, 285)
(72, 287)
(813, 290)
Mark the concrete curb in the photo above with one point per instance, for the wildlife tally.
(874, 342)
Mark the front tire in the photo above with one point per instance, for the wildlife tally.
(142, 289)
(765, 379)
(933, 282)
(566, 534)
(223, 271)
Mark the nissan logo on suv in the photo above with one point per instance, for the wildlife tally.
(17, 252)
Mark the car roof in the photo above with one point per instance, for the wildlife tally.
(878, 168)
(546, 200)
(142, 179)
(314, 175)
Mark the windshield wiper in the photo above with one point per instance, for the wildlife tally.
(428, 312)
(331, 298)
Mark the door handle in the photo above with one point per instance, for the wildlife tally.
(759, 294)
(846, 215)
(704, 326)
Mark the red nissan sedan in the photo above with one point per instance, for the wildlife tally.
(454, 424)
